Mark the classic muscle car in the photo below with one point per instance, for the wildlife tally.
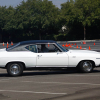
(45, 54)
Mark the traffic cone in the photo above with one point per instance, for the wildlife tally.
(11, 43)
(63, 45)
(7, 44)
(70, 46)
(84, 42)
(89, 48)
(3, 44)
(48, 45)
(77, 46)
(94, 43)
(80, 47)
(66, 45)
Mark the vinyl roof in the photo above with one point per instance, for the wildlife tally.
(36, 41)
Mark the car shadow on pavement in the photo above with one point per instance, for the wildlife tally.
(49, 72)
(55, 72)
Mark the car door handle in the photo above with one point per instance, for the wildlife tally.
(59, 53)
(39, 55)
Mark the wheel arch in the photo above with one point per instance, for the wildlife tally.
(16, 62)
(86, 60)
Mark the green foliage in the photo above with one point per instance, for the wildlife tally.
(40, 19)
(38, 15)
(81, 11)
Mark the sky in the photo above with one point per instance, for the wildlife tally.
(14, 3)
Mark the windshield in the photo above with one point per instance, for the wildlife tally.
(11, 47)
(65, 50)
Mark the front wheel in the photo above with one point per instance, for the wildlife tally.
(15, 69)
(86, 66)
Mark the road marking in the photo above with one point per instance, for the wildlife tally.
(70, 83)
(33, 92)
(62, 83)
(82, 75)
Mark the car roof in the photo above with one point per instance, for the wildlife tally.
(36, 41)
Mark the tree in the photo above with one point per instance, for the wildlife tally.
(2, 20)
(39, 16)
(82, 11)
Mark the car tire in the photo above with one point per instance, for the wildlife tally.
(15, 69)
(86, 66)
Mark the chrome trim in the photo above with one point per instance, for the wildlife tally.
(51, 66)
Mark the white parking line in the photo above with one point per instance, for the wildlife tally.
(83, 75)
(62, 83)
(70, 83)
(33, 92)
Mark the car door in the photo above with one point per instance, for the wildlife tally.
(53, 58)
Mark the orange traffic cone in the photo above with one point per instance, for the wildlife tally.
(77, 46)
(94, 43)
(84, 42)
(89, 48)
(63, 45)
(70, 46)
(7, 44)
(3, 44)
(66, 45)
(80, 47)
(11, 43)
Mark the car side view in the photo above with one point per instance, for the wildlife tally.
(37, 54)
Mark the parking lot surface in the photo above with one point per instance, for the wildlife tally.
(52, 84)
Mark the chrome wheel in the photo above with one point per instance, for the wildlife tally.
(15, 69)
(87, 66)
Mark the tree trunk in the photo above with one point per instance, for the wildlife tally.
(84, 33)
(40, 35)
(0, 38)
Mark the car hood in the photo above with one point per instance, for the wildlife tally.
(84, 51)
(2, 50)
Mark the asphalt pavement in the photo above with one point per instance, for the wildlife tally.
(52, 84)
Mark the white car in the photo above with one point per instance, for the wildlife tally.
(38, 54)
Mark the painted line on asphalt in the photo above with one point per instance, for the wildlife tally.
(7, 79)
(70, 83)
(62, 83)
(82, 75)
(32, 92)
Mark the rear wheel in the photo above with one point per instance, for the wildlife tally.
(15, 69)
(86, 66)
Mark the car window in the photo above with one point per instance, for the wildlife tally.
(31, 48)
(47, 48)
(18, 48)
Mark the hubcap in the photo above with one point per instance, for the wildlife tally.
(87, 66)
(15, 69)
